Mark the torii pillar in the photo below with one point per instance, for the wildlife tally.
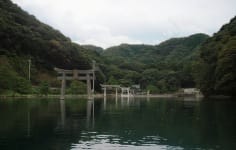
(63, 86)
(105, 91)
(123, 89)
(88, 85)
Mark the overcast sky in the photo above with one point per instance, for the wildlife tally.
(107, 23)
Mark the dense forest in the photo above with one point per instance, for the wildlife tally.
(216, 66)
(196, 60)
(161, 68)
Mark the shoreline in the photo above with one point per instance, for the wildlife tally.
(101, 96)
(29, 96)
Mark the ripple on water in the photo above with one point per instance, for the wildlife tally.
(112, 142)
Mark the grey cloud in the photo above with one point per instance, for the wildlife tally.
(111, 22)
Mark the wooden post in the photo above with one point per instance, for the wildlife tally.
(63, 86)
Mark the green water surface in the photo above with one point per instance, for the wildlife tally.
(117, 124)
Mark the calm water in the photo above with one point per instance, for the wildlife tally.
(138, 124)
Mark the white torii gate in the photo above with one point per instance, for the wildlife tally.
(105, 86)
(125, 91)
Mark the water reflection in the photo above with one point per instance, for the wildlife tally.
(118, 123)
(104, 102)
(28, 124)
(90, 113)
(63, 112)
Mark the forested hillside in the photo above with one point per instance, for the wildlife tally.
(162, 68)
(23, 37)
(216, 68)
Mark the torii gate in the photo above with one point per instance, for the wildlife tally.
(85, 75)
(125, 91)
(105, 86)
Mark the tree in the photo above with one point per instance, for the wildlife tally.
(112, 80)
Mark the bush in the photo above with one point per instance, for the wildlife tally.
(35, 90)
(44, 88)
(77, 87)
(10, 80)
(153, 89)
(23, 86)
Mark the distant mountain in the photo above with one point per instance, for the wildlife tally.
(216, 68)
(94, 48)
(163, 65)
(175, 48)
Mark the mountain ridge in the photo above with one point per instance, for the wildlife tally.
(162, 68)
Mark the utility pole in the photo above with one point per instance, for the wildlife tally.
(29, 68)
